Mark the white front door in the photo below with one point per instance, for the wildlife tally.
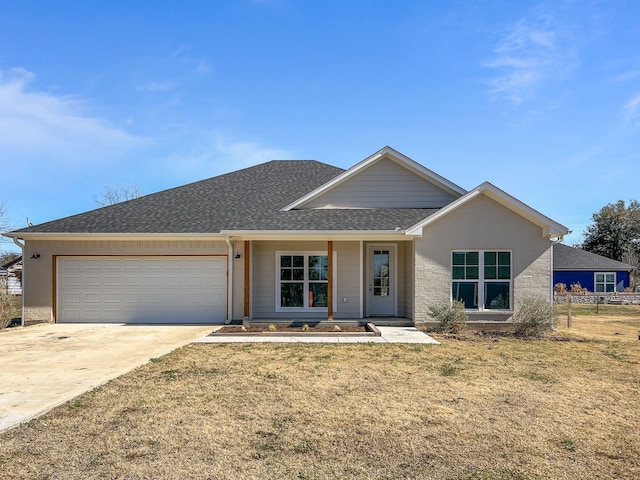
(381, 280)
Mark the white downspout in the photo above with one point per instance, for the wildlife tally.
(229, 281)
(21, 245)
(558, 239)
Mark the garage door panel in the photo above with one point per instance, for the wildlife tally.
(112, 297)
(91, 280)
(142, 289)
(155, 281)
(112, 281)
(91, 298)
(71, 298)
(91, 315)
(71, 280)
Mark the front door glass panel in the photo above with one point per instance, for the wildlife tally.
(381, 273)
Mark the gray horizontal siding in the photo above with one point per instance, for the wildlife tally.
(385, 184)
(264, 275)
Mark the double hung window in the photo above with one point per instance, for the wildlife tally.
(482, 279)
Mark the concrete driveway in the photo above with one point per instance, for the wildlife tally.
(46, 365)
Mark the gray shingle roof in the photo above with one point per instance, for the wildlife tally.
(570, 258)
(247, 199)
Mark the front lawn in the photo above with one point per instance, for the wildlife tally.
(481, 408)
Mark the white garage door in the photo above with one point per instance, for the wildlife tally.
(142, 289)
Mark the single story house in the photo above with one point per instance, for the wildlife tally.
(294, 240)
(592, 271)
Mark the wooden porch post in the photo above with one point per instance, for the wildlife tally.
(247, 278)
(330, 280)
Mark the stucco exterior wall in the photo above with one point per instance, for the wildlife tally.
(481, 224)
(39, 274)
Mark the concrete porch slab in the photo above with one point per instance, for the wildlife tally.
(388, 335)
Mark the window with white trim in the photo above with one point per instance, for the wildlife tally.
(302, 281)
(605, 282)
(482, 279)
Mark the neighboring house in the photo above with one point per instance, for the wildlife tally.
(593, 272)
(293, 240)
(11, 277)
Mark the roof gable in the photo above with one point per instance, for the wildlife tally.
(549, 227)
(386, 179)
(570, 258)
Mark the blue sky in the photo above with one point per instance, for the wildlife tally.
(540, 98)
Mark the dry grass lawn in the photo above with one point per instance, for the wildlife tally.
(566, 407)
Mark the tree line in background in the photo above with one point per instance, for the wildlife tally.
(615, 234)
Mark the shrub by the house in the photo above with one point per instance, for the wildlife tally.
(533, 317)
(451, 316)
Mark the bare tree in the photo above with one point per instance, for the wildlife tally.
(4, 221)
(5, 226)
(113, 195)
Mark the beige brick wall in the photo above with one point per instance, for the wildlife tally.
(481, 224)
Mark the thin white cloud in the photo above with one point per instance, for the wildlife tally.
(631, 112)
(224, 154)
(627, 76)
(528, 56)
(244, 153)
(183, 54)
(33, 122)
(157, 87)
(583, 158)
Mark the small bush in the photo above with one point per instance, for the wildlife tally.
(533, 317)
(451, 317)
(577, 288)
(560, 288)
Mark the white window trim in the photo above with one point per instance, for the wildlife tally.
(306, 253)
(481, 280)
(595, 283)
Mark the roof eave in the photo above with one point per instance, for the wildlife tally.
(318, 234)
(411, 164)
(550, 228)
(108, 236)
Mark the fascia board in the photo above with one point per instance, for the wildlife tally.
(317, 234)
(112, 236)
(412, 165)
(593, 269)
(417, 228)
(550, 228)
(335, 181)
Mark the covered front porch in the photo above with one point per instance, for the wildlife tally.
(344, 282)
